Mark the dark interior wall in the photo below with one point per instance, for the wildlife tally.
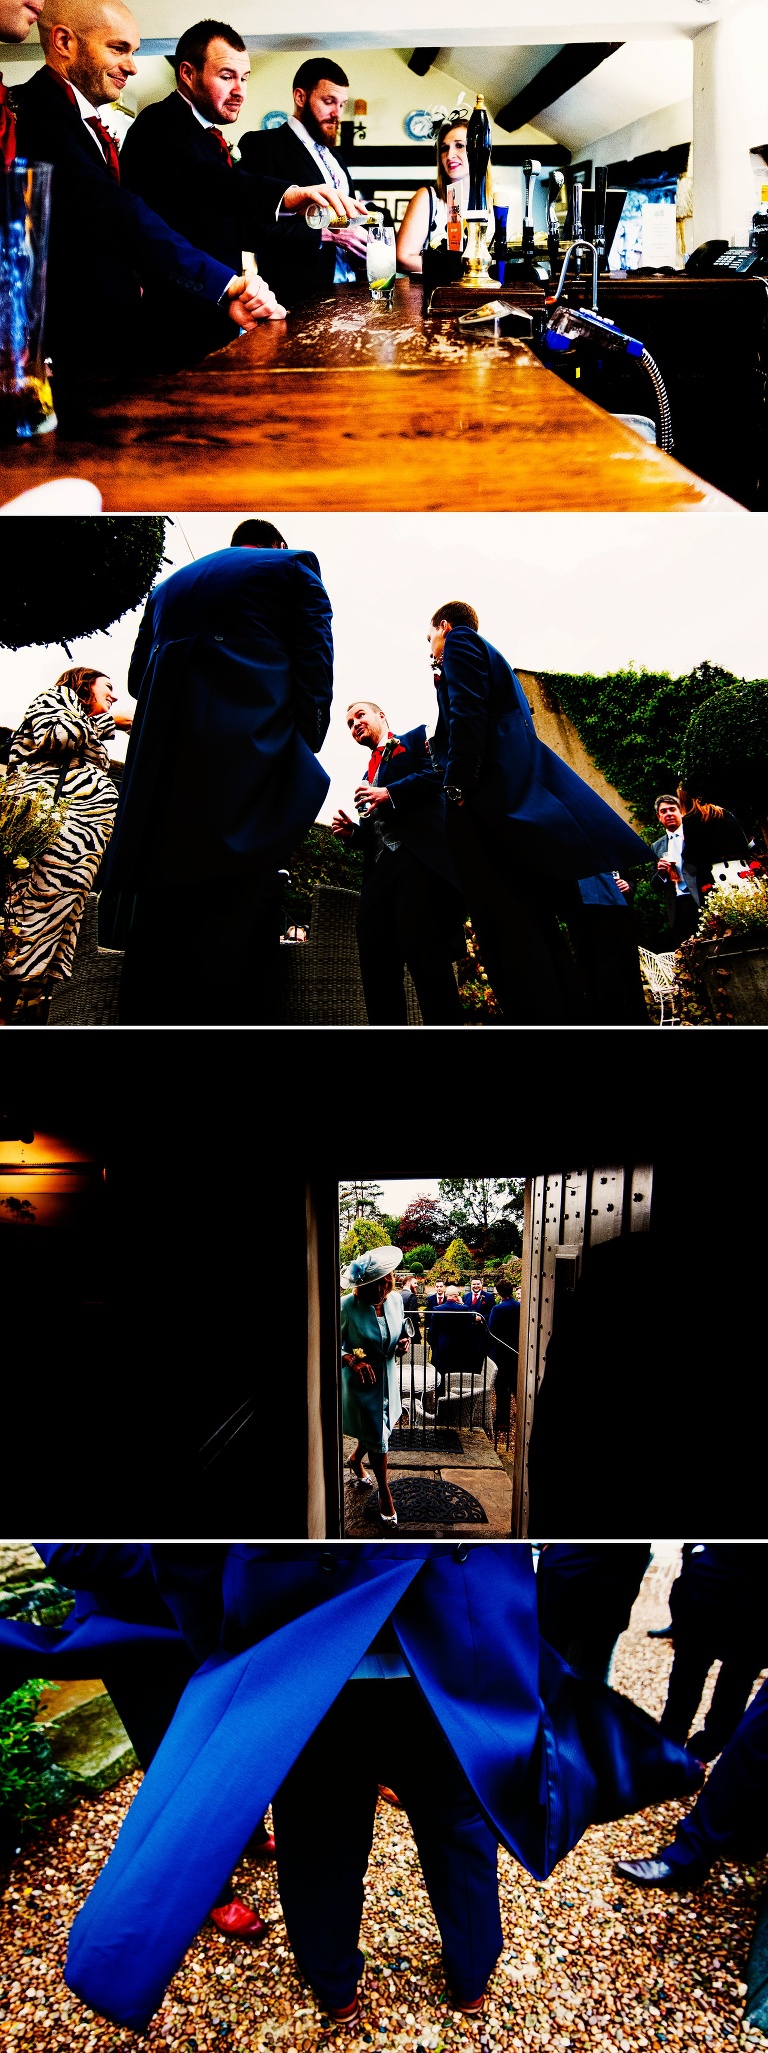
(201, 1246)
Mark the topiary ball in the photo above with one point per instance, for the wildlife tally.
(71, 577)
(725, 751)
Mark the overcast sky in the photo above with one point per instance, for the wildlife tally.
(591, 592)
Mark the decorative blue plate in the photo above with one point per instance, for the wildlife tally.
(274, 120)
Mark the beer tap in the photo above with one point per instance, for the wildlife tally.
(601, 187)
(555, 185)
(531, 169)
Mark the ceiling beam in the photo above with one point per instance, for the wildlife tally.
(573, 63)
(421, 61)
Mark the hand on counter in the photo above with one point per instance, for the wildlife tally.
(250, 300)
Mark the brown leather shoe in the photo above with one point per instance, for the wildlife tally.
(389, 1796)
(237, 1921)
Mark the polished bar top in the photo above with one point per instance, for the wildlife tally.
(348, 405)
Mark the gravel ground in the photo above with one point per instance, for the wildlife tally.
(588, 1962)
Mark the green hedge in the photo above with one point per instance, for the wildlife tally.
(319, 859)
(73, 577)
(633, 723)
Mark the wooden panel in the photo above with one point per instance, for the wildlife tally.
(348, 405)
(606, 1200)
(640, 1196)
(527, 1366)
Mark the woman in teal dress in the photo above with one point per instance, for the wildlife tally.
(372, 1340)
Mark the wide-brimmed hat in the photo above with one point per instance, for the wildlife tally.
(371, 1267)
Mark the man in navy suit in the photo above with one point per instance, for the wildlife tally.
(411, 909)
(233, 673)
(178, 159)
(337, 1667)
(729, 1820)
(522, 828)
(104, 242)
(304, 147)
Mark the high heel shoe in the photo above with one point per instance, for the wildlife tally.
(388, 1518)
(359, 1482)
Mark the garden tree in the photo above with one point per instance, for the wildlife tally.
(390, 1225)
(725, 753)
(489, 1207)
(454, 1266)
(421, 1258)
(101, 569)
(363, 1233)
(423, 1219)
(358, 1200)
(319, 859)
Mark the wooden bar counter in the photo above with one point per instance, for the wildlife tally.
(347, 405)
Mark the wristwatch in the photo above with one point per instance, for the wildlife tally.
(454, 793)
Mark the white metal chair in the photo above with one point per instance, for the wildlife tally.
(659, 974)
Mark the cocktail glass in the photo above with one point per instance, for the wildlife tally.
(381, 262)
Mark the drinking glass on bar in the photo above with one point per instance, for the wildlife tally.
(26, 402)
(381, 262)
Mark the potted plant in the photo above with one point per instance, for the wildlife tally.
(725, 965)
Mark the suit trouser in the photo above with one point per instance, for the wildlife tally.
(408, 916)
(730, 1697)
(583, 1612)
(382, 1732)
(516, 915)
(729, 1819)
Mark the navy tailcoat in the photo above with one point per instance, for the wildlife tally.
(486, 743)
(546, 1751)
(233, 672)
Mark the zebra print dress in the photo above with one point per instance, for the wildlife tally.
(55, 733)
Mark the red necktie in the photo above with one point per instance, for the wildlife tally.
(108, 145)
(374, 764)
(222, 145)
(104, 138)
(7, 129)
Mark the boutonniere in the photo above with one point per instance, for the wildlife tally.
(392, 747)
(234, 153)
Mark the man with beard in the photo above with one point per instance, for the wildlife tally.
(177, 158)
(303, 147)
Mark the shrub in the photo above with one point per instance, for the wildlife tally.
(29, 1784)
(103, 569)
(421, 1258)
(455, 1266)
(725, 751)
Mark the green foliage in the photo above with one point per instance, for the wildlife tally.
(390, 1226)
(29, 823)
(103, 568)
(364, 1233)
(455, 1266)
(488, 1207)
(725, 751)
(27, 1781)
(727, 913)
(321, 858)
(421, 1258)
(633, 723)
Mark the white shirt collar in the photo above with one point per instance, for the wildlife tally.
(322, 154)
(194, 110)
(87, 111)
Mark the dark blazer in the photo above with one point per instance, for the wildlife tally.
(545, 1751)
(487, 744)
(233, 673)
(305, 266)
(416, 815)
(104, 243)
(704, 842)
(485, 1302)
(176, 166)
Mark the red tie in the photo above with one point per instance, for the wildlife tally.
(374, 764)
(104, 138)
(222, 145)
(108, 145)
(7, 129)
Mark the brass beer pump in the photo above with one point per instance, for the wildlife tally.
(477, 255)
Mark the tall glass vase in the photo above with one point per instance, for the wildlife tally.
(26, 403)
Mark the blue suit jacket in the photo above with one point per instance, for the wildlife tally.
(233, 672)
(104, 241)
(546, 1751)
(417, 812)
(487, 744)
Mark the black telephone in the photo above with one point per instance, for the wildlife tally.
(712, 259)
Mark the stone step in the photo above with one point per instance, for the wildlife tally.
(90, 1746)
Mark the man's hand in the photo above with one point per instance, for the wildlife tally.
(623, 885)
(323, 196)
(341, 823)
(370, 795)
(668, 869)
(353, 239)
(250, 300)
